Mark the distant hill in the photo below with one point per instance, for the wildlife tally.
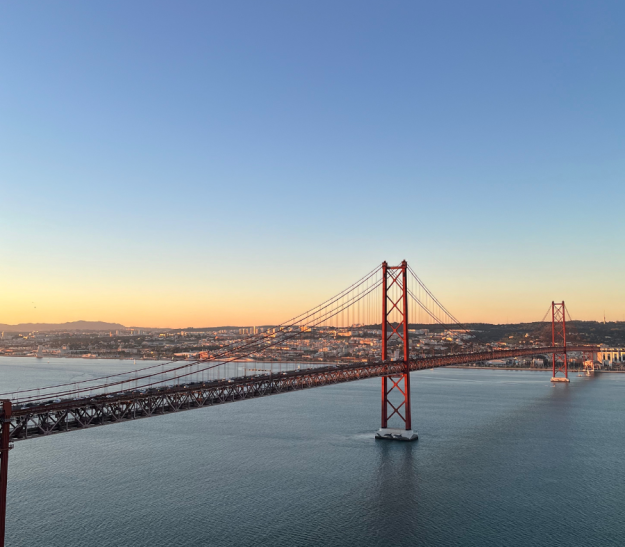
(72, 325)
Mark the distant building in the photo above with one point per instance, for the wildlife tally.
(609, 356)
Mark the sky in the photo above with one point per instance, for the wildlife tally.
(196, 163)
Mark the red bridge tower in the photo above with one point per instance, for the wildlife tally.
(558, 337)
(396, 398)
(5, 446)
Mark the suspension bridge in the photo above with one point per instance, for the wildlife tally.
(389, 297)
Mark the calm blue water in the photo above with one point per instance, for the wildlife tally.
(503, 458)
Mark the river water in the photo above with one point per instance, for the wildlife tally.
(503, 458)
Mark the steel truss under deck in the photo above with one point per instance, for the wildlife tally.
(71, 415)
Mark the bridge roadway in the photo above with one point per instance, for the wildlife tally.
(29, 422)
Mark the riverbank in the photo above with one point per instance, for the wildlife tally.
(528, 368)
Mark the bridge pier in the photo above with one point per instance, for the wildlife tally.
(4, 465)
(393, 434)
(397, 296)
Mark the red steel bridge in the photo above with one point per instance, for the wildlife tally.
(391, 297)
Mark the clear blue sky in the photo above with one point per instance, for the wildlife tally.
(196, 163)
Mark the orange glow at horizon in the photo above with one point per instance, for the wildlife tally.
(178, 307)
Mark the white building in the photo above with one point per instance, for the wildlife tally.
(609, 356)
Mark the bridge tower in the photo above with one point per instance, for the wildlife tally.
(558, 338)
(395, 384)
(5, 422)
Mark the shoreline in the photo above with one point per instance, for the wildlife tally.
(319, 363)
(528, 368)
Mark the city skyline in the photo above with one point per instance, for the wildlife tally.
(236, 164)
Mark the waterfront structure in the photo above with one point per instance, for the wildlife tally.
(611, 356)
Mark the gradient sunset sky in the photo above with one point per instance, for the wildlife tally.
(208, 163)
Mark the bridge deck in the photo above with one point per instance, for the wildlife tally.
(28, 422)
